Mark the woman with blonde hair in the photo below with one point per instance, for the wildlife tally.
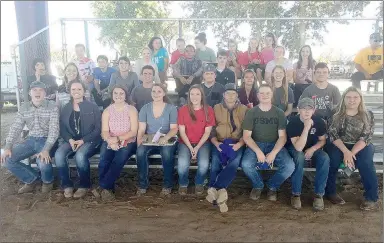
(351, 132)
(282, 94)
(195, 121)
(145, 59)
(234, 56)
(252, 59)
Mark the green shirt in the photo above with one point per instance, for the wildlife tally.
(208, 55)
(264, 124)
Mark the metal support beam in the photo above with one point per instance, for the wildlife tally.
(63, 43)
(88, 51)
(180, 29)
(215, 19)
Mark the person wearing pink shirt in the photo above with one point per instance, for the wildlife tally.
(268, 51)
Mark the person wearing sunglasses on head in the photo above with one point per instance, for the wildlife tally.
(369, 61)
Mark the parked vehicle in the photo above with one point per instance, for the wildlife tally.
(9, 83)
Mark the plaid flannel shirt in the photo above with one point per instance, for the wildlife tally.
(42, 121)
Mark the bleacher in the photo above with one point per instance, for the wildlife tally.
(373, 101)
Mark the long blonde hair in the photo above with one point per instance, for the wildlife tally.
(339, 116)
(284, 99)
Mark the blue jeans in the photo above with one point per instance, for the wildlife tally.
(283, 161)
(112, 163)
(25, 173)
(184, 161)
(167, 158)
(81, 156)
(364, 163)
(321, 159)
(221, 177)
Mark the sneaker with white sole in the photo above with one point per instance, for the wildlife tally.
(255, 194)
(183, 190)
(140, 192)
(166, 192)
(68, 192)
(212, 195)
(199, 190)
(295, 202)
(107, 195)
(222, 199)
(81, 192)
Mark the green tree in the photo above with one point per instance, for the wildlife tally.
(293, 34)
(131, 36)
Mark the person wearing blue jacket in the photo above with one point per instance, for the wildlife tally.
(80, 128)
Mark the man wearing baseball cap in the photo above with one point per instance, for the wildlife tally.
(42, 119)
(228, 146)
(369, 61)
(306, 137)
(213, 91)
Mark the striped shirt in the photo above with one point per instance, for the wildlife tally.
(42, 121)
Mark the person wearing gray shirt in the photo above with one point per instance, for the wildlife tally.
(157, 119)
(141, 95)
(213, 91)
(325, 95)
(124, 76)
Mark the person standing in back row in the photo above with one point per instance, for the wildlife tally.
(203, 52)
(85, 66)
(160, 57)
(369, 61)
(326, 95)
(102, 76)
(180, 52)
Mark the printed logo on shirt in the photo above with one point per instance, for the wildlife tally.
(263, 120)
(313, 131)
(374, 59)
(321, 103)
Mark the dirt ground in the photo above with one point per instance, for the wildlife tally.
(37, 217)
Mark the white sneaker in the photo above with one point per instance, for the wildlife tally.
(68, 192)
(81, 192)
(212, 195)
(222, 200)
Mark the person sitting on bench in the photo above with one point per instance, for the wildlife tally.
(157, 119)
(187, 71)
(351, 133)
(227, 140)
(213, 91)
(119, 129)
(325, 95)
(80, 127)
(306, 137)
(195, 121)
(248, 89)
(142, 94)
(42, 120)
(369, 61)
(265, 136)
(282, 93)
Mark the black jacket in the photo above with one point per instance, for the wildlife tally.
(90, 117)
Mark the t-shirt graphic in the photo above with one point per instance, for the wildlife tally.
(374, 59)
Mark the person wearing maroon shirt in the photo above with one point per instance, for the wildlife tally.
(180, 44)
(248, 90)
(195, 120)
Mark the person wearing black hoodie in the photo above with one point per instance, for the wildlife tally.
(80, 128)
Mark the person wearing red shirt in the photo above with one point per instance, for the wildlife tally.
(180, 44)
(252, 59)
(195, 120)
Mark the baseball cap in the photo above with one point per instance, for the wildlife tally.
(209, 68)
(37, 84)
(230, 86)
(375, 36)
(305, 102)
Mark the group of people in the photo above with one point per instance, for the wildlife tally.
(218, 125)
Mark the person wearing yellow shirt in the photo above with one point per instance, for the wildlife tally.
(369, 61)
